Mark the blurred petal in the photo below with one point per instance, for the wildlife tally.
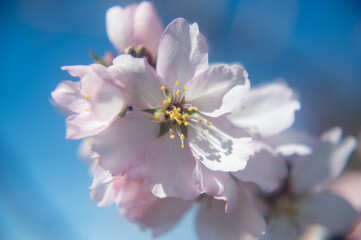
(268, 110)
(324, 164)
(265, 169)
(148, 28)
(119, 23)
(207, 91)
(329, 210)
(101, 189)
(182, 53)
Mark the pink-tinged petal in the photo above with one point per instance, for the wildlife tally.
(148, 28)
(101, 189)
(124, 143)
(108, 102)
(182, 53)
(265, 169)
(84, 125)
(169, 169)
(292, 143)
(331, 211)
(68, 95)
(218, 90)
(268, 110)
(213, 223)
(225, 148)
(230, 195)
(348, 187)
(212, 183)
(141, 82)
(164, 214)
(119, 24)
(324, 164)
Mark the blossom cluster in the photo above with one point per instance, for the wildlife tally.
(164, 130)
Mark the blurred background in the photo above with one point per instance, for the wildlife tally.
(314, 45)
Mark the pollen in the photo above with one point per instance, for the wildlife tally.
(182, 146)
(206, 131)
(162, 88)
(181, 137)
(185, 89)
(209, 123)
(171, 136)
(177, 83)
(190, 109)
(200, 120)
(186, 123)
(169, 100)
(178, 92)
(165, 102)
(86, 96)
(195, 109)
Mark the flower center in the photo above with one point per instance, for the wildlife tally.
(176, 115)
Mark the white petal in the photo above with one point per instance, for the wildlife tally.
(265, 169)
(218, 90)
(141, 84)
(101, 189)
(213, 223)
(182, 53)
(268, 110)
(323, 165)
(170, 169)
(329, 210)
(124, 143)
(226, 148)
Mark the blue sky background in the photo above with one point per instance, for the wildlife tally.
(315, 45)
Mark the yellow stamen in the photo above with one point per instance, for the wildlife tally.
(200, 120)
(182, 146)
(86, 109)
(177, 83)
(195, 109)
(162, 88)
(178, 92)
(169, 100)
(209, 123)
(165, 102)
(186, 123)
(185, 89)
(86, 96)
(171, 136)
(190, 109)
(181, 137)
(206, 131)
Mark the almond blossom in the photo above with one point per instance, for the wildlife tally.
(95, 100)
(304, 200)
(177, 139)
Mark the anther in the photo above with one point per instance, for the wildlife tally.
(181, 137)
(206, 131)
(86, 96)
(87, 109)
(162, 88)
(186, 123)
(178, 92)
(195, 109)
(177, 83)
(165, 102)
(200, 120)
(185, 89)
(190, 109)
(169, 100)
(209, 123)
(171, 136)
(182, 146)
